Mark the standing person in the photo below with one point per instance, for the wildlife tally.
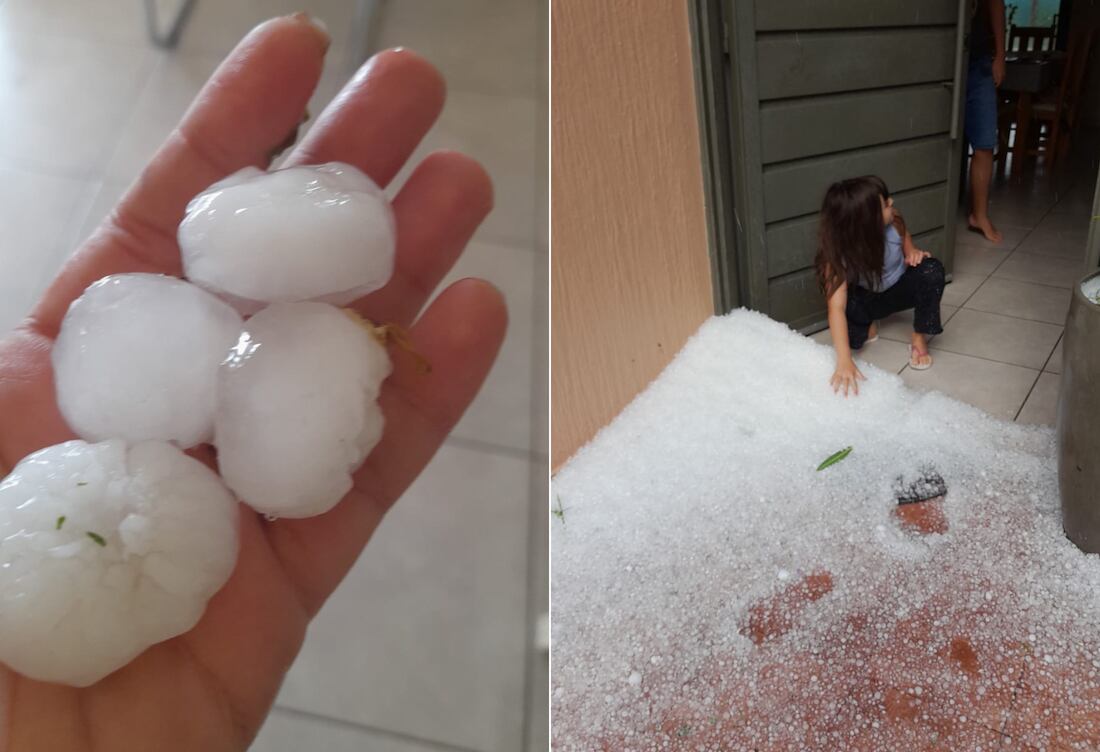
(985, 73)
(869, 268)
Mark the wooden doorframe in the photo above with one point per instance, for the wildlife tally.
(730, 145)
(708, 38)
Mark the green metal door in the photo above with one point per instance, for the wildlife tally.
(821, 90)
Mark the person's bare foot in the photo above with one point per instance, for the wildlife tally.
(991, 233)
(872, 331)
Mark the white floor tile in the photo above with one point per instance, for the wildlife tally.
(1065, 223)
(33, 232)
(484, 46)
(961, 287)
(997, 388)
(1076, 203)
(107, 195)
(63, 101)
(216, 27)
(167, 94)
(1021, 299)
(1055, 238)
(116, 21)
(886, 354)
(292, 732)
(1000, 338)
(427, 635)
(1041, 407)
(1054, 365)
(1043, 270)
(978, 260)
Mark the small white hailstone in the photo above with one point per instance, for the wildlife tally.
(106, 549)
(323, 232)
(296, 408)
(137, 359)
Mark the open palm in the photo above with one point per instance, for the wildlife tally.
(212, 687)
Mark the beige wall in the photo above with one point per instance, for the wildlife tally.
(630, 270)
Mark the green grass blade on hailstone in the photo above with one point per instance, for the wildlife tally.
(834, 458)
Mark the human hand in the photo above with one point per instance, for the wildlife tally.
(846, 376)
(998, 70)
(914, 255)
(212, 687)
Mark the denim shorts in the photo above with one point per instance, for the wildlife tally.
(981, 105)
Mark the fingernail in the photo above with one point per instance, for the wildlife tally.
(316, 24)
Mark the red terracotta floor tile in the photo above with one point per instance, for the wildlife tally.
(1058, 706)
(925, 677)
(776, 615)
(924, 517)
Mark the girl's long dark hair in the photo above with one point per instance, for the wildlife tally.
(851, 236)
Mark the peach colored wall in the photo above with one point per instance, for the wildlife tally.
(630, 270)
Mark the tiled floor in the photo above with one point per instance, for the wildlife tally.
(428, 643)
(1005, 309)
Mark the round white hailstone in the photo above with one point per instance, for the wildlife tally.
(137, 359)
(296, 408)
(106, 549)
(323, 232)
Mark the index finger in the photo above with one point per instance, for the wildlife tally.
(254, 99)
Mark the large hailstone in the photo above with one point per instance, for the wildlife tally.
(137, 359)
(323, 232)
(106, 549)
(296, 408)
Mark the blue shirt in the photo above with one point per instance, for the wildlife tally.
(893, 260)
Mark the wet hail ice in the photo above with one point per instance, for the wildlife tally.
(713, 590)
(323, 232)
(137, 358)
(106, 549)
(296, 408)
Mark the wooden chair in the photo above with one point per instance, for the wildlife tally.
(1033, 39)
(1006, 119)
(1057, 115)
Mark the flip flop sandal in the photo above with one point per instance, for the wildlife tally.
(918, 366)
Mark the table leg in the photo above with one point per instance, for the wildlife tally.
(1023, 127)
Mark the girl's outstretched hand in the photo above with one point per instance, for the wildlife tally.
(847, 376)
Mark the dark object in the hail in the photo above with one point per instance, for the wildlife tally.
(928, 485)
